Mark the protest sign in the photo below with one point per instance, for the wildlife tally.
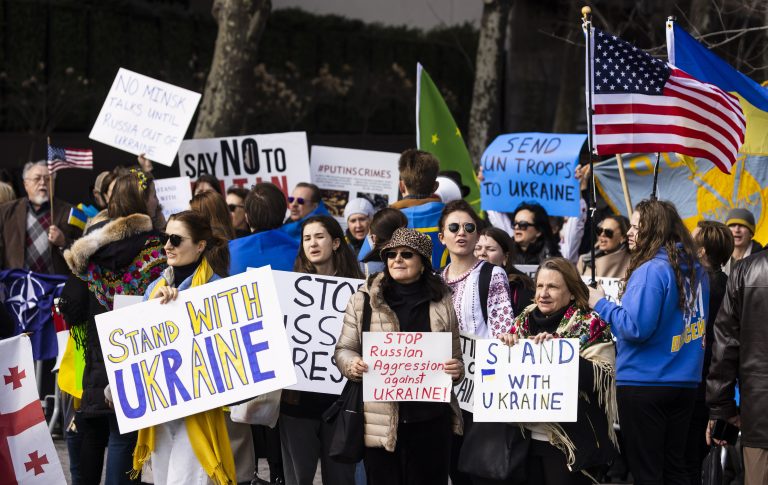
(174, 194)
(526, 383)
(343, 174)
(280, 158)
(406, 366)
(612, 287)
(528, 269)
(532, 167)
(465, 388)
(313, 308)
(122, 301)
(215, 344)
(144, 115)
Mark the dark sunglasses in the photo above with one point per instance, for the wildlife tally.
(523, 225)
(403, 254)
(605, 232)
(469, 227)
(234, 207)
(174, 238)
(299, 200)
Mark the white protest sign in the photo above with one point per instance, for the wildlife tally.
(144, 115)
(406, 366)
(344, 174)
(313, 307)
(526, 383)
(174, 194)
(122, 301)
(280, 158)
(216, 344)
(528, 269)
(465, 388)
(612, 287)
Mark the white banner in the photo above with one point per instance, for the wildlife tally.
(526, 383)
(144, 115)
(313, 307)
(280, 158)
(216, 344)
(344, 174)
(174, 194)
(406, 366)
(465, 388)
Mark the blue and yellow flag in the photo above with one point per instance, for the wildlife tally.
(694, 58)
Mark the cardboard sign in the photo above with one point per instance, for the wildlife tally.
(526, 383)
(174, 194)
(344, 174)
(216, 344)
(532, 167)
(280, 158)
(406, 366)
(465, 388)
(313, 308)
(144, 115)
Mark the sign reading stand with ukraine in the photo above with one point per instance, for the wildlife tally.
(216, 344)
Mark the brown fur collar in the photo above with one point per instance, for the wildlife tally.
(124, 227)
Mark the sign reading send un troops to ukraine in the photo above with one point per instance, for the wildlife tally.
(526, 383)
(280, 158)
(144, 115)
(313, 307)
(532, 167)
(215, 344)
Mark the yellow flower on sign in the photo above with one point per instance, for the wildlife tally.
(435, 139)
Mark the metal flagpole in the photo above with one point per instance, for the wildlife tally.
(50, 180)
(655, 177)
(586, 16)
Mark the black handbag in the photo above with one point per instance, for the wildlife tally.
(712, 469)
(346, 416)
(495, 451)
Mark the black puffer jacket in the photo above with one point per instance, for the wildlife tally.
(116, 257)
(739, 351)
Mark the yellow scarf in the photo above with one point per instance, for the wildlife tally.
(207, 430)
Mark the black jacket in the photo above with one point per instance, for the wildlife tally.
(536, 252)
(739, 351)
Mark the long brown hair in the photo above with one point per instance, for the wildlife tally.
(216, 249)
(661, 227)
(212, 206)
(344, 261)
(573, 281)
(127, 197)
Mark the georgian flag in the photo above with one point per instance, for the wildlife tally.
(27, 453)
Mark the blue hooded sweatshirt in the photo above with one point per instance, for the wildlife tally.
(656, 344)
(275, 248)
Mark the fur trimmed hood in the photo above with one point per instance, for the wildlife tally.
(122, 228)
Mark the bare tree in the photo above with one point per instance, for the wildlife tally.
(241, 23)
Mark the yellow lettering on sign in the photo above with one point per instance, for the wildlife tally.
(641, 165)
(199, 369)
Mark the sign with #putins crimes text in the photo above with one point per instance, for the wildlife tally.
(144, 115)
(406, 366)
(527, 382)
(216, 344)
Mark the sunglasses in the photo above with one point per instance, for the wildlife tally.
(175, 239)
(605, 232)
(469, 227)
(234, 207)
(522, 225)
(299, 200)
(403, 254)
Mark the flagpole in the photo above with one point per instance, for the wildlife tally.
(50, 179)
(586, 16)
(624, 186)
(655, 177)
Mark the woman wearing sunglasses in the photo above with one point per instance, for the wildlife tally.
(304, 435)
(534, 241)
(612, 255)
(406, 442)
(195, 257)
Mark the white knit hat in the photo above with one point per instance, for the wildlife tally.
(358, 206)
(447, 190)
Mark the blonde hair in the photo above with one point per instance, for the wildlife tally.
(6, 193)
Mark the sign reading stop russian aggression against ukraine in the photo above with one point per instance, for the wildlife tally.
(527, 382)
(215, 344)
(532, 167)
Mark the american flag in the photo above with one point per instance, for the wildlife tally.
(61, 158)
(642, 104)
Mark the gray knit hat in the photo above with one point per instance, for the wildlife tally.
(742, 217)
(409, 238)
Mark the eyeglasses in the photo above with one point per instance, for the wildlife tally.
(605, 232)
(299, 200)
(522, 225)
(403, 254)
(38, 179)
(174, 238)
(469, 227)
(234, 207)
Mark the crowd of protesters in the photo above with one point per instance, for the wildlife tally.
(659, 371)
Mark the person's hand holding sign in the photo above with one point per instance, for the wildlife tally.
(453, 368)
(357, 367)
(511, 339)
(166, 294)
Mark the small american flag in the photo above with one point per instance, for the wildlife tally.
(61, 158)
(642, 104)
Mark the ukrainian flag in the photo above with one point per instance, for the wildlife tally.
(694, 58)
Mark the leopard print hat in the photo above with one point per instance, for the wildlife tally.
(409, 238)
